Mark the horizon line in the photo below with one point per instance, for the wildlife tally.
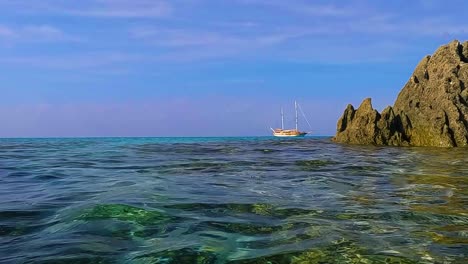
(97, 137)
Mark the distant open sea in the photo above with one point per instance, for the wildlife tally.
(230, 200)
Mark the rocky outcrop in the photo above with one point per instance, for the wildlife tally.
(431, 109)
(368, 127)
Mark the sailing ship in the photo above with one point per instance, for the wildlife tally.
(281, 132)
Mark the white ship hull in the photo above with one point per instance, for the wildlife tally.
(289, 135)
(300, 134)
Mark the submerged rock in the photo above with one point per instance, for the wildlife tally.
(124, 212)
(338, 252)
(431, 109)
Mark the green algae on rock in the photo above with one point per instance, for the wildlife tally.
(124, 213)
(185, 255)
(339, 252)
(346, 252)
(431, 109)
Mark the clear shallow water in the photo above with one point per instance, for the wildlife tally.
(230, 200)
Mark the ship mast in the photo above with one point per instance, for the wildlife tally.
(282, 118)
(295, 106)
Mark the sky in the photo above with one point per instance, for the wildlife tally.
(207, 67)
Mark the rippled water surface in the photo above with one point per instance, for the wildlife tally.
(230, 200)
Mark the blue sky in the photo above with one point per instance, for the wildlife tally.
(206, 67)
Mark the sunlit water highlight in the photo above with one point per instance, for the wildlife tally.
(230, 200)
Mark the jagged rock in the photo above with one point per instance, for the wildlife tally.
(431, 109)
(366, 126)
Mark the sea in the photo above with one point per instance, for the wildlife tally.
(230, 200)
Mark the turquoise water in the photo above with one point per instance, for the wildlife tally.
(230, 200)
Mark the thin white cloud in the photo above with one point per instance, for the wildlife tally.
(307, 8)
(35, 33)
(182, 45)
(6, 32)
(182, 38)
(123, 9)
(92, 8)
(437, 27)
(73, 61)
(360, 17)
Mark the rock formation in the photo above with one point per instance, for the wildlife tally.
(431, 109)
